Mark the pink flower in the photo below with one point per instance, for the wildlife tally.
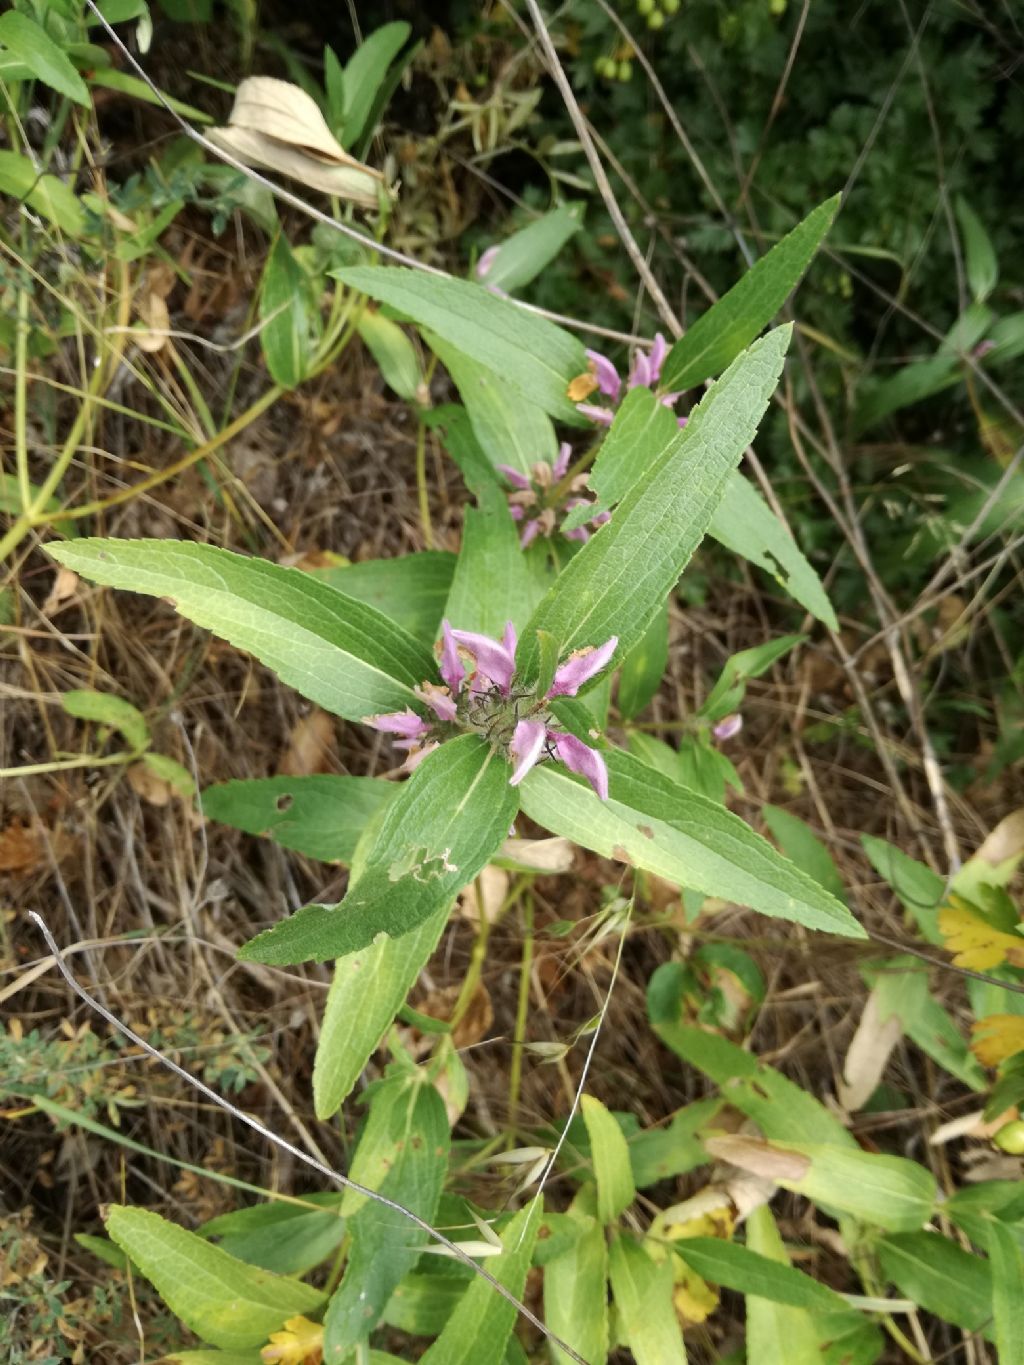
(729, 727)
(561, 466)
(440, 701)
(451, 666)
(604, 416)
(530, 532)
(528, 741)
(405, 723)
(581, 758)
(607, 376)
(644, 373)
(515, 477)
(487, 259)
(478, 700)
(580, 667)
(492, 658)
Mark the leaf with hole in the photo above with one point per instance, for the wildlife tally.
(444, 825)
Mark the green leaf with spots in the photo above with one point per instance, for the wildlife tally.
(652, 823)
(223, 1300)
(436, 835)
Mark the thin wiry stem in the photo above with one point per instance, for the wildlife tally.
(637, 257)
(297, 1152)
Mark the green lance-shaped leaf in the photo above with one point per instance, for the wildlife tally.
(534, 356)
(743, 522)
(288, 317)
(334, 650)
(781, 1109)
(494, 581)
(652, 823)
(735, 320)
(982, 265)
(403, 1154)
(368, 990)
(576, 1294)
(365, 76)
(436, 835)
(49, 196)
(288, 1238)
(750, 1272)
(610, 1155)
(510, 430)
(643, 1295)
(394, 353)
(777, 1332)
(321, 815)
(1007, 1262)
(643, 668)
(621, 577)
(803, 847)
(878, 1189)
(34, 48)
(521, 257)
(103, 708)
(480, 1326)
(941, 1277)
(410, 590)
(223, 1300)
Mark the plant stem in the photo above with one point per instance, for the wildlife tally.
(515, 1073)
(421, 484)
(476, 961)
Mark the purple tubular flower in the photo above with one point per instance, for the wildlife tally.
(451, 667)
(510, 639)
(579, 533)
(606, 374)
(439, 699)
(561, 465)
(657, 356)
(486, 260)
(530, 531)
(580, 758)
(515, 512)
(418, 755)
(528, 740)
(600, 518)
(515, 477)
(580, 667)
(604, 416)
(405, 723)
(493, 659)
(729, 727)
(640, 376)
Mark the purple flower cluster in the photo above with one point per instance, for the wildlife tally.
(478, 696)
(530, 501)
(645, 374)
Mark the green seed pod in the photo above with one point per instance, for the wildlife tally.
(656, 19)
(645, 7)
(671, 6)
(625, 71)
(1010, 1137)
